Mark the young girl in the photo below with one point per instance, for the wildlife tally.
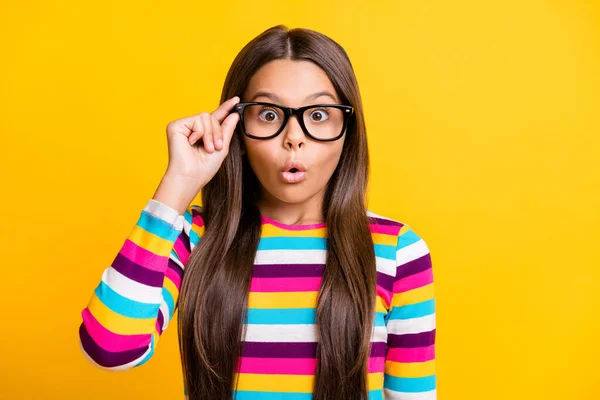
(286, 286)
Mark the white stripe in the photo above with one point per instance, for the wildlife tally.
(164, 212)
(411, 252)
(413, 325)
(385, 266)
(131, 289)
(173, 256)
(291, 333)
(393, 395)
(164, 309)
(290, 256)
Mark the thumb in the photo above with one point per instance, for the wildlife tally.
(228, 127)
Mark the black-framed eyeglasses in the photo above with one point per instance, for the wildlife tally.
(322, 122)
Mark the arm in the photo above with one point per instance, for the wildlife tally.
(411, 323)
(137, 296)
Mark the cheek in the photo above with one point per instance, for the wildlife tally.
(261, 156)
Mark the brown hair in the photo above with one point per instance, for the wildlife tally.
(214, 291)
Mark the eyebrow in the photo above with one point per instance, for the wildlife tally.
(274, 97)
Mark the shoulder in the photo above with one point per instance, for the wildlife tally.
(403, 234)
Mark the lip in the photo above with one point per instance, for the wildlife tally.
(299, 165)
(293, 177)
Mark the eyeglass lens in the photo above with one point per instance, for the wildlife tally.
(321, 122)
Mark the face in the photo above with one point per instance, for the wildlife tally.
(292, 84)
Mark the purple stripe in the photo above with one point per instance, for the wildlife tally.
(185, 240)
(160, 321)
(288, 270)
(297, 350)
(378, 349)
(383, 221)
(385, 281)
(137, 272)
(414, 267)
(280, 349)
(107, 358)
(410, 340)
(175, 267)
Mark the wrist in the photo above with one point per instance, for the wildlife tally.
(177, 192)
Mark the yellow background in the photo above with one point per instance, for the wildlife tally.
(483, 126)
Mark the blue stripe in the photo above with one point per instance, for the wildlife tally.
(169, 300)
(288, 316)
(194, 238)
(296, 243)
(409, 385)
(158, 226)
(385, 251)
(187, 215)
(379, 319)
(124, 306)
(407, 238)
(283, 316)
(413, 310)
(251, 395)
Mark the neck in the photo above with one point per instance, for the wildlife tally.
(309, 211)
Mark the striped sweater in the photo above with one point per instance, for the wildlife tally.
(136, 298)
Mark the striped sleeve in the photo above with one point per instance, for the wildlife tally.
(411, 323)
(137, 295)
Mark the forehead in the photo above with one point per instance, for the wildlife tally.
(292, 82)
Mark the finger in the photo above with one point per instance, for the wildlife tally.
(196, 130)
(207, 138)
(223, 110)
(217, 135)
(228, 127)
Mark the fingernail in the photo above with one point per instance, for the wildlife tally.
(219, 143)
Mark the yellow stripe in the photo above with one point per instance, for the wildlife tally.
(118, 323)
(282, 300)
(269, 230)
(150, 241)
(171, 288)
(380, 305)
(382, 238)
(198, 229)
(294, 300)
(292, 383)
(410, 370)
(413, 296)
(403, 230)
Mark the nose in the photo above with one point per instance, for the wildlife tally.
(293, 135)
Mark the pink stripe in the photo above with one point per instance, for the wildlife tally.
(414, 354)
(143, 257)
(293, 366)
(414, 281)
(182, 252)
(197, 219)
(386, 295)
(172, 275)
(385, 229)
(308, 284)
(291, 227)
(111, 341)
(376, 364)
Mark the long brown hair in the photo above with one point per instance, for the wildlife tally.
(214, 291)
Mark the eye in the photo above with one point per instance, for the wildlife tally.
(268, 114)
(319, 115)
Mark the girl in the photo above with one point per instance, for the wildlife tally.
(286, 286)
